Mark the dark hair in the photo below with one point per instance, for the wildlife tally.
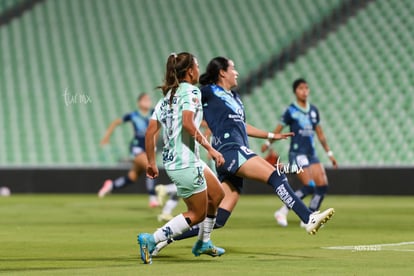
(296, 83)
(141, 95)
(176, 69)
(213, 70)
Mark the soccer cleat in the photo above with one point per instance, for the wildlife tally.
(146, 246)
(302, 224)
(281, 219)
(160, 246)
(162, 195)
(105, 189)
(153, 204)
(317, 219)
(207, 248)
(164, 217)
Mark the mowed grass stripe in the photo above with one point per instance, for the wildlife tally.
(83, 235)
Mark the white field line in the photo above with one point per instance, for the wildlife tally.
(373, 247)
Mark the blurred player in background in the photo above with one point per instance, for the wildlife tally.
(180, 113)
(139, 120)
(224, 114)
(303, 120)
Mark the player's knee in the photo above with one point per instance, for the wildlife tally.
(132, 175)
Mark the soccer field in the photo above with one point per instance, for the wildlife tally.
(84, 235)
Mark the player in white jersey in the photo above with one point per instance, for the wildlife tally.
(180, 113)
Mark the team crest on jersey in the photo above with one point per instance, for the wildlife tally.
(196, 100)
(313, 116)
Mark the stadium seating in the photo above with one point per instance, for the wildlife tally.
(7, 4)
(110, 51)
(361, 79)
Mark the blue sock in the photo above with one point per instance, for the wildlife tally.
(221, 219)
(305, 190)
(121, 182)
(150, 184)
(286, 194)
(318, 197)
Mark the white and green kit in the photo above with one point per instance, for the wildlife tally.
(180, 153)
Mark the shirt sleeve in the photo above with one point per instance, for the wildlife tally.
(317, 118)
(286, 118)
(127, 117)
(155, 111)
(192, 99)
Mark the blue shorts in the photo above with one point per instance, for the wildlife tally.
(136, 147)
(300, 160)
(135, 150)
(235, 156)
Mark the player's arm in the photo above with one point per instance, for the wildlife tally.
(267, 144)
(258, 133)
(324, 143)
(111, 128)
(207, 130)
(150, 143)
(189, 126)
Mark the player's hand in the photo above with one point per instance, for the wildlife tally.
(217, 157)
(334, 163)
(281, 136)
(104, 141)
(152, 171)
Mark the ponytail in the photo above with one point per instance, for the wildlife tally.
(213, 70)
(176, 69)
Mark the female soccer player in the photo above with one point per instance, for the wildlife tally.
(180, 113)
(303, 120)
(224, 114)
(139, 120)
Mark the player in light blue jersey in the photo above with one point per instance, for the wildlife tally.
(179, 114)
(225, 116)
(139, 120)
(303, 120)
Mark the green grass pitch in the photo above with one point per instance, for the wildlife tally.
(84, 235)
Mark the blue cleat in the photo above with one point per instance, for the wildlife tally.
(146, 245)
(207, 248)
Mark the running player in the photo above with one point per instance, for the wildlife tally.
(224, 114)
(180, 113)
(303, 120)
(139, 120)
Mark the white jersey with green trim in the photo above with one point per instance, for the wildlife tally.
(180, 148)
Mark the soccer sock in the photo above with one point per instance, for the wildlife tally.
(173, 228)
(285, 193)
(150, 184)
(222, 217)
(305, 190)
(318, 197)
(170, 188)
(121, 182)
(192, 232)
(169, 206)
(206, 227)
